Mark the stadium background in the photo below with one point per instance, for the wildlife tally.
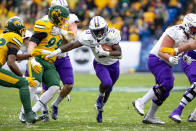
(138, 20)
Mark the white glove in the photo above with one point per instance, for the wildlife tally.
(68, 35)
(53, 53)
(99, 50)
(187, 59)
(55, 31)
(46, 52)
(174, 59)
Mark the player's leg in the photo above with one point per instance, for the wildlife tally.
(52, 80)
(106, 82)
(140, 103)
(45, 108)
(9, 79)
(192, 116)
(65, 70)
(189, 95)
(114, 74)
(165, 80)
(33, 96)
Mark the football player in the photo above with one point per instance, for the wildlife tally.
(10, 42)
(188, 65)
(160, 64)
(106, 64)
(63, 63)
(40, 67)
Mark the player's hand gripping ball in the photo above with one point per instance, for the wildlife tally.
(106, 47)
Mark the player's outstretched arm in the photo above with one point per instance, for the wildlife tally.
(65, 48)
(20, 57)
(11, 58)
(70, 46)
(187, 47)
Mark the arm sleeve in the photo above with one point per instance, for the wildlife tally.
(12, 50)
(37, 37)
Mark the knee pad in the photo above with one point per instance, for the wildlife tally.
(190, 94)
(168, 84)
(160, 93)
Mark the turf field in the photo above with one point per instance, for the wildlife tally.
(118, 112)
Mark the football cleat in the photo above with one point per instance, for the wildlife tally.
(191, 118)
(175, 115)
(21, 117)
(99, 108)
(47, 116)
(99, 114)
(68, 98)
(54, 112)
(31, 118)
(152, 120)
(175, 118)
(139, 106)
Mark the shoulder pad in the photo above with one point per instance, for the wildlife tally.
(42, 26)
(86, 38)
(173, 32)
(113, 36)
(15, 39)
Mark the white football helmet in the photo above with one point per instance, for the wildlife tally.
(98, 27)
(60, 2)
(189, 24)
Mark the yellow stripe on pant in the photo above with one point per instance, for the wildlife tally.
(29, 66)
(8, 78)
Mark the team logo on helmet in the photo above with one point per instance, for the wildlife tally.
(58, 15)
(15, 24)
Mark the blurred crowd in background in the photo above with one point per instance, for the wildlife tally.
(136, 19)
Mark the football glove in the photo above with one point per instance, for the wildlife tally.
(55, 31)
(99, 50)
(46, 52)
(170, 51)
(187, 59)
(32, 82)
(174, 60)
(36, 66)
(68, 35)
(53, 53)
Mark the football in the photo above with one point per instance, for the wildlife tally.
(106, 47)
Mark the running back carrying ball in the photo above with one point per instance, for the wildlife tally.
(106, 47)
